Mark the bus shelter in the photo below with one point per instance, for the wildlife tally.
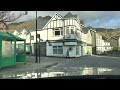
(9, 54)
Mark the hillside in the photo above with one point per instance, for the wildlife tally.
(108, 32)
(30, 24)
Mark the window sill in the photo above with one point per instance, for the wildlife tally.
(57, 36)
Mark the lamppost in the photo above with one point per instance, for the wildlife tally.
(38, 36)
(36, 60)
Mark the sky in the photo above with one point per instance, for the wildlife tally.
(96, 19)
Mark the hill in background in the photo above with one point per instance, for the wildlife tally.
(30, 24)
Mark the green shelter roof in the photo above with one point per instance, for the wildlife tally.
(9, 36)
(16, 37)
(6, 36)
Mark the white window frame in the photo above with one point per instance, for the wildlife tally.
(59, 29)
(69, 29)
(57, 48)
(77, 50)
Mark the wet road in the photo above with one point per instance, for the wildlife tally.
(86, 65)
(89, 61)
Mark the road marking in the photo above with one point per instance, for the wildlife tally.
(107, 56)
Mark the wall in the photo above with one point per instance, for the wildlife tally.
(89, 37)
(72, 53)
(89, 50)
(83, 37)
(52, 37)
(43, 36)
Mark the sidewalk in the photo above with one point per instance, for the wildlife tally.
(45, 62)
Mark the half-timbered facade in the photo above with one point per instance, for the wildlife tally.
(64, 36)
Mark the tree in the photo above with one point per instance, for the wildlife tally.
(8, 17)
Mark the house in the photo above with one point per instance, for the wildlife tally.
(88, 31)
(114, 42)
(30, 35)
(65, 36)
(107, 46)
(43, 37)
(25, 34)
(99, 44)
(93, 34)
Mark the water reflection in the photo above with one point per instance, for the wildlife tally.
(38, 74)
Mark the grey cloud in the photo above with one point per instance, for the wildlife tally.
(93, 18)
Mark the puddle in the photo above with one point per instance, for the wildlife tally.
(75, 71)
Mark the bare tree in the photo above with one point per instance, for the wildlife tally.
(9, 16)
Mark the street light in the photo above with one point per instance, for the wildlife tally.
(36, 60)
(38, 36)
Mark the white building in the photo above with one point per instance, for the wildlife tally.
(64, 35)
(101, 45)
(107, 46)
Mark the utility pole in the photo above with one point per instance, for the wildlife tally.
(39, 47)
(36, 60)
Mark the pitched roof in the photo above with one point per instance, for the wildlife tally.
(19, 30)
(27, 29)
(85, 30)
(48, 21)
(117, 37)
(41, 22)
(69, 14)
(114, 37)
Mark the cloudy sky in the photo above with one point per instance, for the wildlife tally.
(97, 19)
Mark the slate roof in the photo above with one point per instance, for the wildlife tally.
(69, 14)
(41, 22)
(114, 37)
(85, 30)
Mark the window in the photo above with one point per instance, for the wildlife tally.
(57, 32)
(60, 50)
(77, 50)
(67, 30)
(57, 50)
(54, 49)
(72, 30)
(32, 37)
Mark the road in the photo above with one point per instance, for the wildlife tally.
(92, 61)
(75, 64)
(85, 65)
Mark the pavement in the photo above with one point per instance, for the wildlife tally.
(45, 62)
